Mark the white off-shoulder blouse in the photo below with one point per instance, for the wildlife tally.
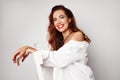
(67, 63)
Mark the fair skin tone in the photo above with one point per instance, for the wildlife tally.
(61, 22)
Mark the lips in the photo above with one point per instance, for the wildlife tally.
(60, 26)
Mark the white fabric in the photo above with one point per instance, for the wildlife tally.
(67, 63)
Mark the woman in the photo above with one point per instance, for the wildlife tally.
(67, 57)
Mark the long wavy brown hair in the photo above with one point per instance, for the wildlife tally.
(55, 37)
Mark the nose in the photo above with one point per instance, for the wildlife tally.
(58, 21)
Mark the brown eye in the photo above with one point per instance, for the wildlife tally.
(61, 17)
(54, 19)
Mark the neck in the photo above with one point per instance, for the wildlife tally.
(66, 34)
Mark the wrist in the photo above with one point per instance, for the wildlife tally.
(30, 50)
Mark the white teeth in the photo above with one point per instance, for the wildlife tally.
(60, 26)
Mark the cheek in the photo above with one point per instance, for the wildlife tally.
(55, 24)
(66, 21)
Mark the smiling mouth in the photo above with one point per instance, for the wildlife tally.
(60, 26)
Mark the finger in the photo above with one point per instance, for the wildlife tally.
(25, 56)
(18, 59)
(15, 56)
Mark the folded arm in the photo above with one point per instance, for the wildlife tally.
(64, 56)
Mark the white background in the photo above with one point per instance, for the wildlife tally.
(25, 22)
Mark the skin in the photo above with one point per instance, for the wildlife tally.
(61, 22)
(22, 53)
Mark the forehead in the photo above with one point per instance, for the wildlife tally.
(57, 13)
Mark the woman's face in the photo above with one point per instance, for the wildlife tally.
(61, 21)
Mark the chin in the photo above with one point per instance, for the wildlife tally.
(61, 30)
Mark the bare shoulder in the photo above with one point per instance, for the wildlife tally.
(78, 36)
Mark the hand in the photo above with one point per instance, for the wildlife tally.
(22, 53)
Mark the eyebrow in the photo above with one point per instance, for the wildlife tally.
(59, 16)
